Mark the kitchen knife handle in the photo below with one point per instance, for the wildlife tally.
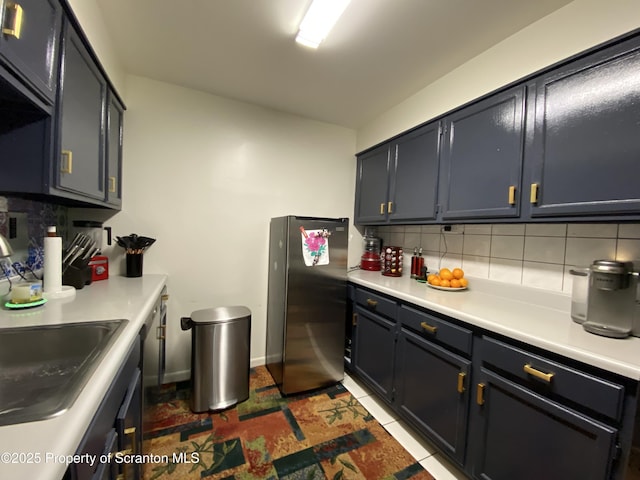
(14, 30)
(537, 373)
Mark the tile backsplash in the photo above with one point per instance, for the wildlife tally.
(37, 216)
(535, 255)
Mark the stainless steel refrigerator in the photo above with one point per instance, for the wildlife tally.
(306, 309)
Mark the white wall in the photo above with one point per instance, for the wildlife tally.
(578, 26)
(203, 175)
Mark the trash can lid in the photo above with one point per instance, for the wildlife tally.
(219, 314)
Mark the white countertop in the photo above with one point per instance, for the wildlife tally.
(115, 298)
(530, 315)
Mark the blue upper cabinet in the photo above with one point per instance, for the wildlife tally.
(80, 160)
(397, 182)
(372, 186)
(414, 175)
(482, 158)
(584, 152)
(29, 43)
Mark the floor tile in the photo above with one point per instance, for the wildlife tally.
(375, 407)
(442, 469)
(410, 440)
(356, 388)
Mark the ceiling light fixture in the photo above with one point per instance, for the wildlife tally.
(319, 20)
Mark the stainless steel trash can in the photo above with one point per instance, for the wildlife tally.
(220, 341)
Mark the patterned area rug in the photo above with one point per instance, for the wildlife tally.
(322, 434)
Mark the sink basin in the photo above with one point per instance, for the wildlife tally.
(43, 369)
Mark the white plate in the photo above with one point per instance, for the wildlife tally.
(447, 289)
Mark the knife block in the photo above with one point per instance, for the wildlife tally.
(77, 275)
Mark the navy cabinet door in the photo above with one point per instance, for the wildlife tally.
(372, 183)
(373, 356)
(29, 42)
(80, 159)
(115, 121)
(482, 158)
(521, 434)
(584, 156)
(431, 386)
(414, 175)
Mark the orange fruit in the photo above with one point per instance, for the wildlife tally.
(430, 277)
(445, 283)
(446, 274)
(458, 273)
(435, 281)
(463, 282)
(455, 283)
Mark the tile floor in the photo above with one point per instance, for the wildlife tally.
(421, 450)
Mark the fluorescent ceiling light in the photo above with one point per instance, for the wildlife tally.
(319, 20)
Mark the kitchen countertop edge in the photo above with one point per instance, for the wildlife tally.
(118, 297)
(532, 316)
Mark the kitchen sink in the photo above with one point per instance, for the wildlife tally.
(43, 369)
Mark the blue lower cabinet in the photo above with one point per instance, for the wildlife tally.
(497, 408)
(432, 392)
(375, 341)
(521, 434)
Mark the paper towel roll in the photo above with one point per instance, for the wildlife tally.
(52, 264)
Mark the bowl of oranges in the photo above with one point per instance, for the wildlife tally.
(447, 279)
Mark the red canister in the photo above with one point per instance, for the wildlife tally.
(99, 268)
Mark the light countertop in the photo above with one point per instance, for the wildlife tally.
(115, 298)
(530, 315)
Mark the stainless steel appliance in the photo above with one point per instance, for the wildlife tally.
(612, 299)
(306, 308)
(579, 293)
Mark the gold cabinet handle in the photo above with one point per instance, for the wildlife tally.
(537, 373)
(112, 184)
(67, 161)
(461, 377)
(534, 193)
(382, 208)
(354, 319)
(480, 394)
(390, 207)
(428, 328)
(371, 302)
(161, 332)
(14, 30)
(131, 432)
(164, 297)
(512, 195)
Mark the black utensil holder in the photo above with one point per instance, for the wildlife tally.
(134, 264)
(77, 276)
